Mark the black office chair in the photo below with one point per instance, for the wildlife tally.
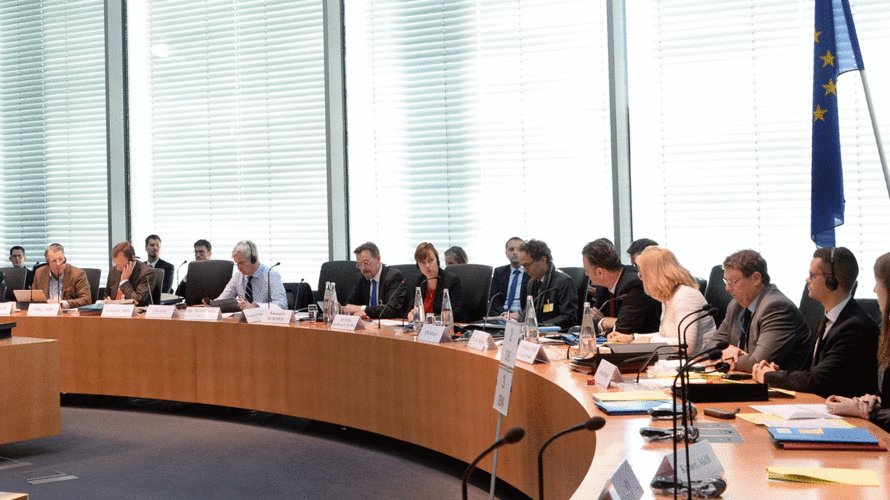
(812, 310)
(716, 294)
(343, 273)
(579, 277)
(871, 308)
(157, 283)
(299, 295)
(410, 272)
(702, 284)
(93, 277)
(207, 279)
(15, 280)
(475, 281)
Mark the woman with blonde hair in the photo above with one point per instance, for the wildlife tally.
(666, 281)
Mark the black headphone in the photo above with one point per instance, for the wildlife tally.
(252, 247)
(831, 281)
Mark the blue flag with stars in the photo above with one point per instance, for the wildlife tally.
(836, 52)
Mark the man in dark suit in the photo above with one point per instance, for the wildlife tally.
(381, 291)
(843, 361)
(128, 277)
(153, 249)
(17, 258)
(554, 292)
(636, 312)
(509, 283)
(761, 322)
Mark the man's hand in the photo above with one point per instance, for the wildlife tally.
(596, 314)
(731, 356)
(128, 270)
(762, 368)
(623, 338)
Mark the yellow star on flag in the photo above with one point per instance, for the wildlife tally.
(817, 36)
(827, 59)
(830, 88)
(819, 114)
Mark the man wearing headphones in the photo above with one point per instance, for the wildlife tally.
(129, 278)
(253, 282)
(60, 281)
(843, 361)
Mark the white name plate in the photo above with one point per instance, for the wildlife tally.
(481, 341)
(624, 484)
(606, 373)
(511, 343)
(118, 311)
(433, 334)
(279, 316)
(202, 314)
(347, 323)
(252, 315)
(705, 463)
(503, 389)
(7, 308)
(529, 352)
(161, 312)
(43, 309)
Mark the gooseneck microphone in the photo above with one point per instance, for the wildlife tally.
(649, 358)
(708, 312)
(180, 267)
(592, 424)
(388, 302)
(514, 435)
(269, 283)
(488, 311)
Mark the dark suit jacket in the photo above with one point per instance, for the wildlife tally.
(846, 365)
(557, 307)
(638, 312)
(500, 283)
(75, 286)
(778, 332)
(446, 280)
(880, 415)
(138, 287)
(169, 271)
(391, 287)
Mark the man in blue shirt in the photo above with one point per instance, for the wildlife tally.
(253, 282)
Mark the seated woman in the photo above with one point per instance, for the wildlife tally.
(870, 406)
(665, 280)
(432, 282)
(455, 255)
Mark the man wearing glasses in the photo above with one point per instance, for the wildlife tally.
(381, 291)
(554, 293)
(203, 251)
(60, 281)
(761, 323)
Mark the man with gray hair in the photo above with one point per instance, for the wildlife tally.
(60, 281)
(253, 282)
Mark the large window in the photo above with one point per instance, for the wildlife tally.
(52, 129)
(720, 98)
(471, 122)
(227, 129)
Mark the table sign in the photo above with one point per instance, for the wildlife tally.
(624, 484)
(118, 311)
(43, 309)
(7, 308)
(512, 332)
(433, 334)
(251, 315)
(503, 389)
(481, 341)
(347, 323)
(529, 352)
(161, 312)
(278, 316)
(606, 374)
(705, 463)
(198, 313)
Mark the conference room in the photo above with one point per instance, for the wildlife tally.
(312, 127)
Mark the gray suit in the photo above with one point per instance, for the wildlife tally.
(778, 332)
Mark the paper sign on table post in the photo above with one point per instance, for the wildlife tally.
(481, 341)
(7, 308)
(434, 334)
(43, 309)
(624, 484)
(606, 373)
(161, 312)
(278, 316)
(502, 390)
(529, 352)
(347, 323)
(705, 463)
(198, 313)
(118, 311)
(251, 315)
(511, 343)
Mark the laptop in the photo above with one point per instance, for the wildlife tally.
(25, 296)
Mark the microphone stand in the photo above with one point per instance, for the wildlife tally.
(269, 283)
(514, 435)
(488, 311)
(592, 424)
(388, 302)
(180, 267)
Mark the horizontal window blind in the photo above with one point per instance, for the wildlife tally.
(52, 129)
(227, 129)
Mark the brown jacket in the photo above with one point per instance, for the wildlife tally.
(75, 287)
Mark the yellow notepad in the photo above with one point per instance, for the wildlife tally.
(632, 396)
(820, 475)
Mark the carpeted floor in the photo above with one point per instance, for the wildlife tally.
(123, 448)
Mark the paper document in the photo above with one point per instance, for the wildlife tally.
(819, 475)
(632, 396)
(792, 412)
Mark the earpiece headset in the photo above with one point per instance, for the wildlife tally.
(831, 281)
(252, 247)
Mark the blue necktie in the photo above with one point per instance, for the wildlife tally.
(746, 325)
(373, 292)
(513, 282)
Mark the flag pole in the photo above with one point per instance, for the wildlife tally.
(874, 126)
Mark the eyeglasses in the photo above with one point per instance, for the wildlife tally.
(527, 265)
(365, 263)
(734, 282)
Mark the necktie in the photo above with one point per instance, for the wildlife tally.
(248, 292)
(746, 325)
(373, 292)
(819, 334)
(514, 281)
(611, 312)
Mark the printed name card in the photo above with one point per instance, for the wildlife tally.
(529, 352)
(623, 485)
(118, 311)
(43, 309)
(252, 315)
(347, 323)
(7, 308)
(512, 332)
(278, 316)
(434, 334)
(606, 373)
(481, 341)
(202, 314)
(161, 312)
(503, 389)
(705, 463)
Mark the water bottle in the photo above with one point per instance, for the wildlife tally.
(586, 339)
(531, 321)
(326, 307)
(335, 304)
(418, 310)
(447, 313)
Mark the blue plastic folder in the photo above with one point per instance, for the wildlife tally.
(825, 438)
(626, 407)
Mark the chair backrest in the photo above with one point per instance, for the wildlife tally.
(871, 307)
(812, 310)
(343, 273)
(716, 294)
(207, 279)
(475, 280)
(93, 277)
(702, 284)
(299, 295)
(157, 283)
(410, 272)
(15, 280)
(579, 277)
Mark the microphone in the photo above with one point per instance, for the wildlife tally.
(591, 424)
(180, 267)
(708, 312)
(269, 283)
(488, 311)
(388, 302)
(514, 435)
(299, 290)
(613, 299)
(648, 359)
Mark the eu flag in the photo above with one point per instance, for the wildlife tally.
(836, 52)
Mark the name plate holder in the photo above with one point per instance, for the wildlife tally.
(118, 311)
(251, 315)
(705, 463)
(510, 346)
(161, 312)
(503, 389)
(481, 341)
(198, 313)
(43, 310)
(7, 308)
(531, 353)
(347, 323)
(623, 485)
(279, 317)
(433, 334)
(607, 373)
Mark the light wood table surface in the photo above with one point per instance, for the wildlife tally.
(29, 388)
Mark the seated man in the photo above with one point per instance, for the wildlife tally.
(129, 278)
(509, 283)
(635, 312)
(553, 291)
(203, 251)
(761, 322)
(843, 361)
(153, 249)
(60, 281)
(381, 291)
(253, 282)
(17, 258)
